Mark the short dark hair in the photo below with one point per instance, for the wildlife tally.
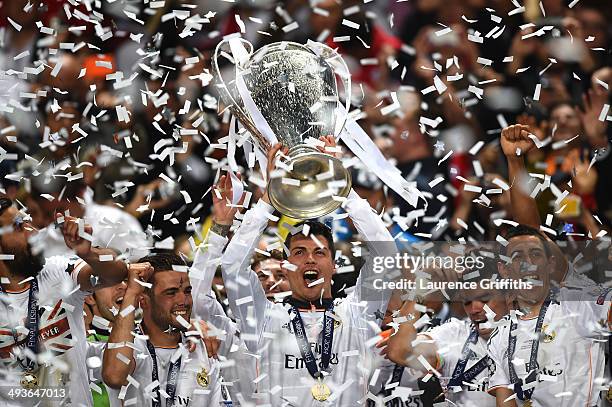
(259, 257)
(315, 228)
(162, 262)
(524, 230)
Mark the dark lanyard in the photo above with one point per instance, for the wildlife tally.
(459, 374)
(533, 357)
(31, 324)
(172, 379)
(396, 377)
(326, 343)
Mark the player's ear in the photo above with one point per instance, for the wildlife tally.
(90, 300)
(143, 301)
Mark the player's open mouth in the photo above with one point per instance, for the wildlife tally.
(311, 276)
(534, 277)
(181, 313)
(119, 300)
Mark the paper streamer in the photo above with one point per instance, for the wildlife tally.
(231, 146)
(340, 68)
(358, 141)
(239, 53)
(237, 188)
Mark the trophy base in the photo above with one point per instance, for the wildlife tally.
(315, 178)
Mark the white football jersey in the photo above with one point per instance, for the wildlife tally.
(449, 339)
(95, 350)
(570, 356)
(62, 340)
(238, 368)
(189, 391)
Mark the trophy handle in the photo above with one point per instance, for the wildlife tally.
(335, 60)
(227, 97)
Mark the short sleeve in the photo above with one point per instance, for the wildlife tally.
(59, 270)
(591, 312)
(96, 350)
(141, 354)
(447, 332)
(449, 339)
(591, 319)
(497, 347)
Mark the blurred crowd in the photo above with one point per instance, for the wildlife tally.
(116, 103)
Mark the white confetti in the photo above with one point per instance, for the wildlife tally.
(604, 112)
(350, 24)
(15, 25)
(536, 93)
(290, 27)
(186, 196)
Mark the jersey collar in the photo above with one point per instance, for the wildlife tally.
(321, 303)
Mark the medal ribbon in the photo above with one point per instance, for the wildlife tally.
(396, 377)
(173, 373)
(533, 358)
(32, 325)
(326, 343)
(459, 374)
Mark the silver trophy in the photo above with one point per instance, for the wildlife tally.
(290, 91)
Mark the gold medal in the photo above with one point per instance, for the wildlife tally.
(548, 337)
(29, 381)
(320, 391)
(202, 378)
(527, 403)
(609, 394)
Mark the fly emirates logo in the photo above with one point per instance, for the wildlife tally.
(297, 362)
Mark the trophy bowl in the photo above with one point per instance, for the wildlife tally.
(295, 90)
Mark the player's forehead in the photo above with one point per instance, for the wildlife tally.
(478, 294)
(105, 292)
(270, 264)
(525, 242)
(308, 242)
(165, 279)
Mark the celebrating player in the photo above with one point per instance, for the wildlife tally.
(157, 356)
(311, 349)
(41, 322)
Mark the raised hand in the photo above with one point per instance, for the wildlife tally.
(72, 238)
(330, 146)
(223, 211)
(141, 272)
(272, 164)
(585, 176)
(594, 129)
(212, 343)
(515, 140)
